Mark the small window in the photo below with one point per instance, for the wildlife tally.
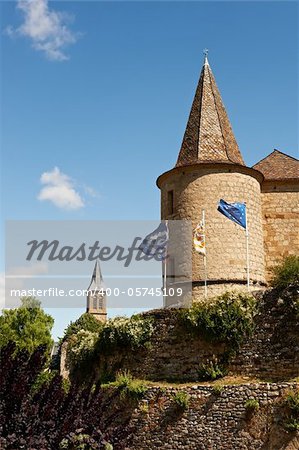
(95, 303)
(170, 202)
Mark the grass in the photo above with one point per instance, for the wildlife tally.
(225, 381)
(122, 382)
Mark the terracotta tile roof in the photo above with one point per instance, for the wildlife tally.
(208, 135)
(278, 166)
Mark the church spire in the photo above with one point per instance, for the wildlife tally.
(208, 136)
(96, 282)
(96, 295)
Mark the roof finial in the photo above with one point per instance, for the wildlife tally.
(205, 52)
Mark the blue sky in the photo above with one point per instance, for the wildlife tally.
(109, 109)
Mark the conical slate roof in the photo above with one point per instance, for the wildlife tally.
(97, 282)
(208, 136)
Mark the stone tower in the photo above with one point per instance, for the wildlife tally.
(210, 167)
(96, 296)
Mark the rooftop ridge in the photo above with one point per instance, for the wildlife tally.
(274, 151)
(278, 166)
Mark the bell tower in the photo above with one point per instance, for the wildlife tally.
(96, 295)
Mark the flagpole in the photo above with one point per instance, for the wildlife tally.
(205, 255)
(165, 274)
(247, 249)
(164, 282)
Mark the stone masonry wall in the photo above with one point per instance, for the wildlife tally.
(201, 187)
(271, 353)
(213, 421)
(280, 208)
(172, 355)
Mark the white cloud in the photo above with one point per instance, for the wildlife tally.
(59, 189)
(47, 29)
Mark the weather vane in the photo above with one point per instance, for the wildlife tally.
(205, 52)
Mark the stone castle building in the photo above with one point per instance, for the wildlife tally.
(209, 167)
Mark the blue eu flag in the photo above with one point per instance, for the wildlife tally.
(233, 211)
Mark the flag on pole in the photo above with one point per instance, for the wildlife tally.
(155, 243)
(238, 214)
(233, 211)
(199, 239)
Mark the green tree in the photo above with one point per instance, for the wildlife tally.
(86, 322)
(27, 326)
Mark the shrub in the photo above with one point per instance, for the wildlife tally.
(108, 446)
(128, 386)
(210, 371)
(227, 318)
(66, 385)
(50, 417)
(82, 441)
(292, 403)
(251, 405)
(81, 347)
(286, 273)
(85, 344)
(144, 408)
(181, 399)
(292, 424)
(82, 336)
(76, 441)
(131, 332)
